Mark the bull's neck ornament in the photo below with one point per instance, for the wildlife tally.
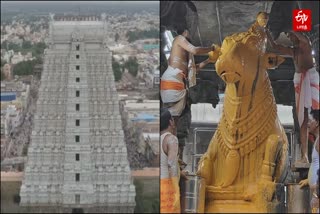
(247, 156)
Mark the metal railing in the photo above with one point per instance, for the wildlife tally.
(195, 154)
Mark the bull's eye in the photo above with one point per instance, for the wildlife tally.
(271, 60)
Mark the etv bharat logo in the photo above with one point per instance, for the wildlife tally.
(301, 20)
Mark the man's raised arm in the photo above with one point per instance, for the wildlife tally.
(283, 50)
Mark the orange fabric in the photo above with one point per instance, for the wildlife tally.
(167, 197)
(170, 85)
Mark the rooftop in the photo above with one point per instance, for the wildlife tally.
(144, 117)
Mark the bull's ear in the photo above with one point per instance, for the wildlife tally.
(272, 61)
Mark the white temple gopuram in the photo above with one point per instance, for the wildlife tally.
(77, 158)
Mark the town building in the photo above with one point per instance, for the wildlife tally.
(7, 71)
(141, 121)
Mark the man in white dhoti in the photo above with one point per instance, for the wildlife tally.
(306, 82)
(173, 89)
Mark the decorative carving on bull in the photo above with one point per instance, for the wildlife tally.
(248, 153)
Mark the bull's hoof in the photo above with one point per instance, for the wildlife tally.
(266, 190)
(250, 192)
(205, 167)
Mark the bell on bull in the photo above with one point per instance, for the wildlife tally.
(248, 153)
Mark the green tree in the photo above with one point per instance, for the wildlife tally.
(14, 47)
(26, 44)
(3, 62)
(142, 34)
(41, 45)
(4, 44)
(38, 49)
(116, 37)
(2, 75)
(117, 70)
(132, 36)
(24, 68)
(38, 60)
(132, 66)
(25, 150)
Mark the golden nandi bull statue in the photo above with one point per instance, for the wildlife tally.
(248, 153)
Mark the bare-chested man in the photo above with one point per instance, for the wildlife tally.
(306, 82)
(173, 81)
(169, 167)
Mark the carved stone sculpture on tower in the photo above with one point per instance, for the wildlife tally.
(77, 36)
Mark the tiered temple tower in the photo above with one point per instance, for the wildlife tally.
(77, 158)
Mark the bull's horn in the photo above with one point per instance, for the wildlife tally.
(214, 55)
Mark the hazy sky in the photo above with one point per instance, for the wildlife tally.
(64, 6)
(80, 2)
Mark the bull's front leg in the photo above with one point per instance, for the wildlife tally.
(266, 185)
(205, 165)
(273, 147)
